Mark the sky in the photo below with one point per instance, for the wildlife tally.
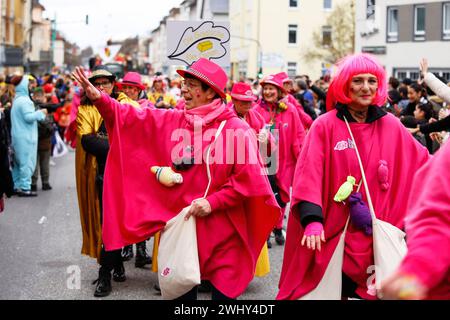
(108, 19)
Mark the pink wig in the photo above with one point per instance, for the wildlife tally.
(350, 66)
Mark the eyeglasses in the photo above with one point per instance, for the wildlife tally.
(104, 84)
(190, 84)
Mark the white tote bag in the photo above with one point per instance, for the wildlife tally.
(60, 148)
(178, 264)
(389, 245)
(330, 286)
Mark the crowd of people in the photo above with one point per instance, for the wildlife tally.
(316, 148)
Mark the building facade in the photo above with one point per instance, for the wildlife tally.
(401, 32)
(40, 58)
(15, 34)
(272, 38)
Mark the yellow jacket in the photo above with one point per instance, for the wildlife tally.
(167, 98)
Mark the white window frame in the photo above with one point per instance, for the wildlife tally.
(391, 36)
(445, 32)
(291, 28)
(290, 69)
(419, 34)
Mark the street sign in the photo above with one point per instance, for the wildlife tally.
(188, 41)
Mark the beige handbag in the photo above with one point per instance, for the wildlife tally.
(178, 264)
(330, 286)
(389, 245)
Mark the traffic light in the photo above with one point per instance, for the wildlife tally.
(260, 73)
(87, 19)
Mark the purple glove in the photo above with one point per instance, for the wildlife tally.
(314, 229)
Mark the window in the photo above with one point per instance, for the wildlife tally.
(293, 34)
(292, 69)
(446, 21)
(326, 36)
(293, 3)
(392, 25)
(419, 23)
(327, 4)
(370, 9)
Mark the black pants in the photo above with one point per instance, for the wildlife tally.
(192, 295)
(109, 260)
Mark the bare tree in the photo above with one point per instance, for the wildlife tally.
(340, 41)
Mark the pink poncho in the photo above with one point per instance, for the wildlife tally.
(305, 118)
(327, 158)
(428, 226)
(289, 143)
(136, 206)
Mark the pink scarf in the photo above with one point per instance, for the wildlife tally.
(206, 114)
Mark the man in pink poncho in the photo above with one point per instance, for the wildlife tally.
(425, 271)
(237, 215)
(390, 157)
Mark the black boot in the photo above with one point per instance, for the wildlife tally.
(103, 282)
(205, 286)
(119, 273)
(279, 236)
(127, 253)
(142, 258)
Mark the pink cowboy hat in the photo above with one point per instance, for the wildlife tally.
(274, 80)
(243, 92)
(210, 73)
(284, 77)
(132, 79)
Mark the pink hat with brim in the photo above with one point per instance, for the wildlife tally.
(210, 73)
(284, 77)
(242, 92)
(275, 81)
(132, 79)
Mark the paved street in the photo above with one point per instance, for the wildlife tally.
(40, 250)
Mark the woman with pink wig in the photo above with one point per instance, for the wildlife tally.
(320, 209)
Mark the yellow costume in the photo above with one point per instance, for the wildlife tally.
(155, 97)
(88, 122)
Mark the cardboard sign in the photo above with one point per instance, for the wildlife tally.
(188, 41)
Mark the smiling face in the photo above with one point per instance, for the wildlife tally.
(413, 95)
(194, 95)
(270, 93)
(131, 92)
(362, 90)
(242, 107)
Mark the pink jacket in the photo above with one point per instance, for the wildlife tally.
(326, 159)
(428, 226)
(291, 134)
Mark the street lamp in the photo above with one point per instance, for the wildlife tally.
(260, 53)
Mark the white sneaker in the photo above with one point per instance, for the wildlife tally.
(52, 163)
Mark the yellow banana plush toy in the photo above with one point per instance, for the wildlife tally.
(166, 176)
(345, 190)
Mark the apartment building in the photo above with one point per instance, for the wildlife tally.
(273, 35)
(401, 32)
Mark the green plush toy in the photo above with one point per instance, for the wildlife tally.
(345, 190)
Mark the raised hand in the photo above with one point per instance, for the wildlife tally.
(424, 66)
(91, 92)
